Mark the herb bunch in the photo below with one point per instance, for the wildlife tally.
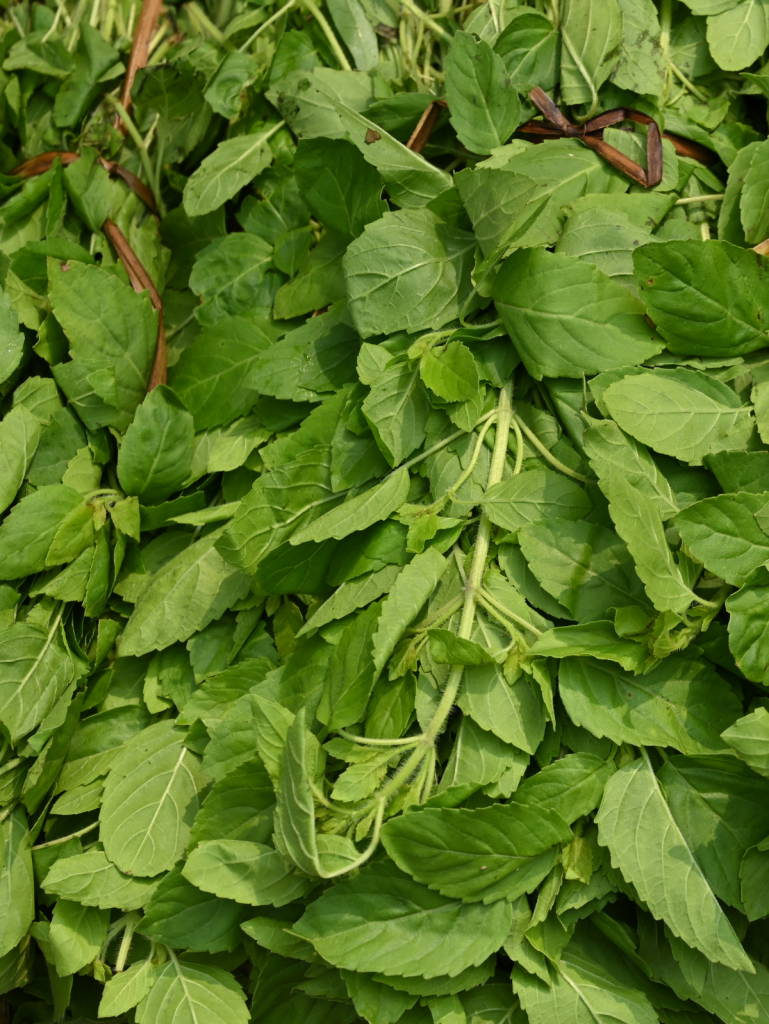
(385, 512)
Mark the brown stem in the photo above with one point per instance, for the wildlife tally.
(140, 280)
(425, 126)
(44, 162)
(140, 52)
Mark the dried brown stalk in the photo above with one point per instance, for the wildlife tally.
(591, 133)
(140, 280)
(140, 53)
(137, 275)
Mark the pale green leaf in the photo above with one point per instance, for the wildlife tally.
(190, 993)
(150, 801)
(646, 844)
(383, 921)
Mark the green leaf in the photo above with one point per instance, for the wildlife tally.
(239, 806)
(642, 65)
(681, 703)
(352, 595)
(17, 902)
(28, 531)
(383, 921)
(19, 435)
(351, 23)
(150, 801)
(279, 503)
(748, 641)
(753, 212)
(351, 672)
(296, 805)
(646, 844)
(179, 914)
(246, 872)
(77, 934)
(749, 738)
(520, 200)
(36, 669)
(397, 410)
(411, 180)
(411, 589)
(319, 283)
(606, 238)
(481, 758)
(585, 566)
(359, 512)
(537, 494)
(408, 271)
(211, 375)
(567, 318)
(156, 454)
(12, 345)
(691, 416)
(124, 991)
(231, 276)
(597, 639)
(609, 448)
(591, 34)
(451, 373)
(581, 991)
(233, 164)
(569, 787)
(719, 829)
(375, 1001)
(639, 524)
(341, 189)
(94, 57)
(739, 36)
(724, 535)
(91, 879)
(529, 47)
(446, 648)
(187, 992)
(485, 109)
(189, 591)
(705, 297)
(488, 854)
(511, 712)
(112, 333)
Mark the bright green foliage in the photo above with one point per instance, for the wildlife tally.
(401, 657)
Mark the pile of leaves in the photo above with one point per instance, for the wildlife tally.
(384, 615)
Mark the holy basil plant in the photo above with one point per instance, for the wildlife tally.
(384, 512)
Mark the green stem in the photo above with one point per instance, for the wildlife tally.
(64, 839)
(144, 156)
(409, 741)
(132, 920)
(548, 455)
(369, 849)
(449, 496)
(442, 444)
(504, 413)
(487, 597)
(114, 928)
(519, 446)
(698, 199)
(329, 34)
(478, 565)
(689, 85)
(205, 22)
(266, 24)
(427, 20)
(443, 613)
